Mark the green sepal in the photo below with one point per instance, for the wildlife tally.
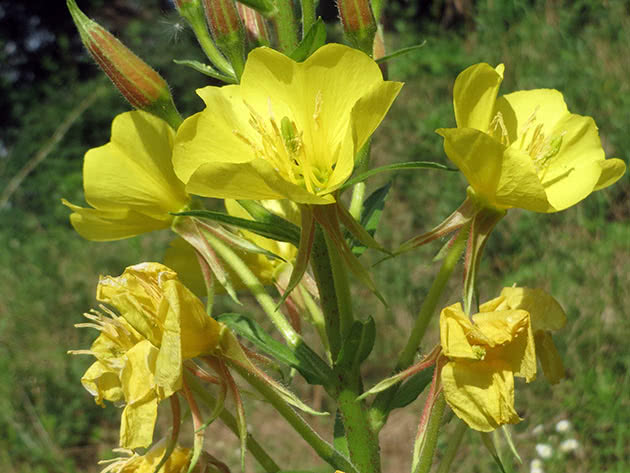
(401, 52)
(508, 438)
(490, 444)
(358, 344)
(310, 366)
(396, 167)
(314, 39)
(206, 69)
(340, 441)
(289, 233)
(371, 215)
(262, 215)
(411, 389)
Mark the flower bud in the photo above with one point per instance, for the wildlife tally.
(358, 23)
(227, 31)
(140, 84)
(255, 26)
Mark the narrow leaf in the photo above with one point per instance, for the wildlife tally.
(263, 229)
(358, 344)
(206, 70)
(313, 40)
(401, 52)
(411, 389)
(488, 442)
(371, 214)
(396, 167)
(508, 438)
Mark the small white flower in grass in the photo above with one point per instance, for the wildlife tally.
(544, 450)
(563, 426)
(539, 429)
(536, 466)
(569, 445)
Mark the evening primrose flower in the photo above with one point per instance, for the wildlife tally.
(524, 149)
(484, 354)
(288, 131)
(546, 315)
(177, 462)
(140, 353)
(130, 182)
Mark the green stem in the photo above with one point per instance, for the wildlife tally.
(320, 262)
(197, 23)
(323, 448)
(308, 15)
(342, 288)
(229, 420)
(430, 437)
(252, 283)
(356, 204)
(285, 26)
(454, 442)
(380, 408)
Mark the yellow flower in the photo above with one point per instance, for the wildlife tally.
(288, 131)
(483, 357)
(140, 353)
(524, 149)
(134, 463)
(545, 314)
(129, 182)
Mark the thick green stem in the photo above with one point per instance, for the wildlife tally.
(229, 420)
(285, 26)
(427, 449)
(252, 283)
(379, 410)
(342, 288)
(198, 25)
(320, 262)
(454, 442)
(308, 15)
(323, 448)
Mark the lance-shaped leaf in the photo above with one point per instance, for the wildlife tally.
(358, 344)
(314, 39)
(395, 167)
(205, 69)
(400, 52)
(371, 214)
(490, 444)
(357, 230)
(411, 389)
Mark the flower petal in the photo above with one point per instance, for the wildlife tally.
(550, 359)
(544, 311)
(478, 156)
(137, 376)
(454, 328)
(137, 424)
(612, 170)
(480, 393)
(134, 169)
(474, 94)
(102, 383)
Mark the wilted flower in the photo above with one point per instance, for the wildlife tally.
(524, 149)
(133, 463)
(483, 356)
(129, 182)
(140, 353)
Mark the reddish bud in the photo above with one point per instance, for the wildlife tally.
(358, 23)
(255, 26)
(227, 30)
(140, 84)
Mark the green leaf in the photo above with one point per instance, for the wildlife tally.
(489, 443)
(411, 389)
(371, 215)
(313, 40)
(206, 70)
(401, 52)
(315, 372)
(289, 233)
(510, 442)
(396, 167)
(358, 344)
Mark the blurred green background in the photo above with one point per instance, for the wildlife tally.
(48, 274)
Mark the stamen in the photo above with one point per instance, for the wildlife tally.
(498, 123)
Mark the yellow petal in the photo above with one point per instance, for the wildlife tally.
(478, 156)
(545, 312)
(137, 424)
(612, 170)
(137, 376)
(109, 225)
(502, 327)
(474, 94)
(134, 169)
(102, 383)
(183, 259)
(549, 357)
(454, 328)
(519, 185)
(480, 393)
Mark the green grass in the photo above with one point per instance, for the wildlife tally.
(48, 274)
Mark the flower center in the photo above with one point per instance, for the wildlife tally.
(282, 145)
(530, 138)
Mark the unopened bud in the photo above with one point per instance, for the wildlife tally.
(358, 23)
(255, 26)
(227, 31)
(140, 84)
